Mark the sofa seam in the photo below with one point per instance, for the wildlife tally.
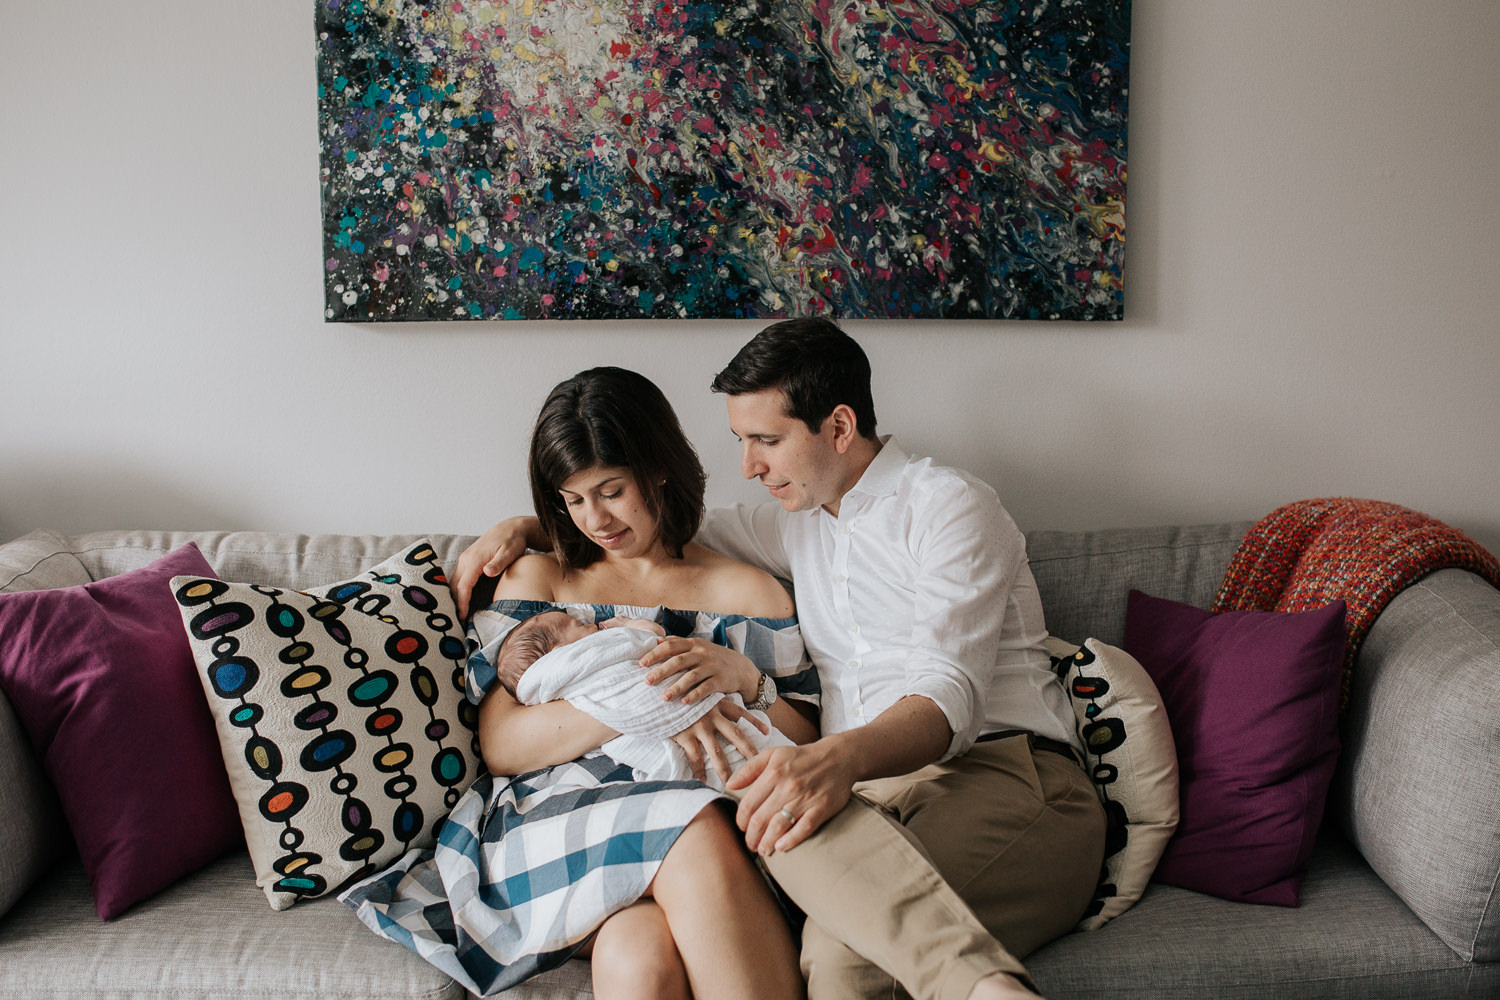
(22, 574)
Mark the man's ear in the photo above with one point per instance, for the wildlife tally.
(845, 427)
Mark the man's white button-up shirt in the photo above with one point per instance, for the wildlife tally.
(920, 586)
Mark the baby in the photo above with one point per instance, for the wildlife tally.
(596, 669)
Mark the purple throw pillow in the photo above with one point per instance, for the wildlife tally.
(103, 679)
(1252, 698)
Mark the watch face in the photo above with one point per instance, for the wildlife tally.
(765, 694)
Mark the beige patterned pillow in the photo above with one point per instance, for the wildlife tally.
(1132, 761)
(340, 714)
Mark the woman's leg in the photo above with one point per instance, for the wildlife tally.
(732, 937)
(634, 957)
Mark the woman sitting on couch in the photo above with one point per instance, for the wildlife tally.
(646, 878)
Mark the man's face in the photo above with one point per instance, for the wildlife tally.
(802, 470)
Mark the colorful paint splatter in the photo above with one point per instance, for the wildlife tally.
(563, 159)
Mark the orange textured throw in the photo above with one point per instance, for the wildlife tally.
(1311, 552)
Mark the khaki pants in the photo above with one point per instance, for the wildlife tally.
(1017, 832)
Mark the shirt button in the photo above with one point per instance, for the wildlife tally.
(854, 630)
(846, 530)
(853, 664)
(840, 578)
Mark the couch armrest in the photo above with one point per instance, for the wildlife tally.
(1417, 789)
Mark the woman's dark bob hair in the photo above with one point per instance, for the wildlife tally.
(611, 417)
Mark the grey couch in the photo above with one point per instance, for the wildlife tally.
(1400, 899)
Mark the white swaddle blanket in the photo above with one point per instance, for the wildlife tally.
(601, 674)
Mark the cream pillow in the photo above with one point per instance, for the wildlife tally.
(1131, 760)
(340, 713)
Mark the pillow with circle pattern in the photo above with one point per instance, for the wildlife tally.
(340, 714)
(1132, 761)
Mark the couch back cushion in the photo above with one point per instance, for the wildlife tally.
(276, 559)
(1084, 577)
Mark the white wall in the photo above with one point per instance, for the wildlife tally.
(1312, 293)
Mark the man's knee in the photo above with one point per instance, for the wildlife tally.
(834, 972)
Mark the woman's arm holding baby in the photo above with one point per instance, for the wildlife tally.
(516, 738)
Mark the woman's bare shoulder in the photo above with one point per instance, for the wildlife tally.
(533, 577)
(739, 588)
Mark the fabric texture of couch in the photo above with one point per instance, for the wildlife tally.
(1399, 898)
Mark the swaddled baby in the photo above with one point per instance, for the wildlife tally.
(552, 656)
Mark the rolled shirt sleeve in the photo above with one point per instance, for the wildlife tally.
(965, 563)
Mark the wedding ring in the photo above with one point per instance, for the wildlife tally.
(790, 819)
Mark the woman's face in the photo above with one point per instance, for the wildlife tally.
(607, 506)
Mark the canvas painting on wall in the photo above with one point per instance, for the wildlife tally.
(570, 159)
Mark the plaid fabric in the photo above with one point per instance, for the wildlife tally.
(526, 869)
(1309, 553)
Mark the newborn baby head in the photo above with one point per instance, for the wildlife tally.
(534, 638)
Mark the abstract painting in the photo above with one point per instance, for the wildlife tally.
(624, 159)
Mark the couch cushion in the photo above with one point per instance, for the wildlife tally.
(210, 935)
(1252, 697)
(39, 561)
(1350, 939)
(1083, 576)
(341, 716)
(102, 680)
(1417, 789)
(277, 559)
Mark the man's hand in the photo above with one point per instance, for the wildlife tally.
(703, 740)
(701, 668)
(489, 554)
(808, 783)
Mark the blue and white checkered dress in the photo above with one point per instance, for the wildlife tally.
(526, 869)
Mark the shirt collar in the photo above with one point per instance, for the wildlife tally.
(883, 474)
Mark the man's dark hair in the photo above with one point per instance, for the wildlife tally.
(817, 366)
(611, 417)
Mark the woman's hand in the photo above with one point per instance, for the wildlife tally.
(704, 740)
(701, 669)
(489, 555)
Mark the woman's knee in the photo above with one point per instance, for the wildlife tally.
(709, 854)
(634, 955)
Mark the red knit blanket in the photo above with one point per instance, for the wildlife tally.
(1311, 552)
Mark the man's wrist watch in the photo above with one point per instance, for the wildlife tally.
(765, 695)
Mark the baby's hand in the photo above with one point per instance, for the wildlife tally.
(644, 624)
